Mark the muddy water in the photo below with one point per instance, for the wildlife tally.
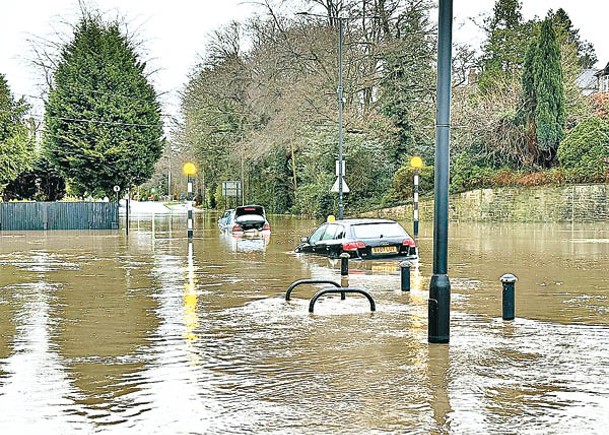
(112, 334)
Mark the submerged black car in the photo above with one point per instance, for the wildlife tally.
(360, 238)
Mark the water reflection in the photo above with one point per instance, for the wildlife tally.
(245, 243)
(150, 334)
(438, 364)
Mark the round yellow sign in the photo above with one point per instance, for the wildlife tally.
(189, 168)
(416, 162)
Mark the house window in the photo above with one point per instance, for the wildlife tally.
(604, 83)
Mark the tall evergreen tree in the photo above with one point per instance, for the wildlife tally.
(543, 107)
(549, 92)
(566, 32)
(503, 52)
(16, 141)
(529, 101)
(102, 120)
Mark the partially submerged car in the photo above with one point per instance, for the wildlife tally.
(225, 219)
(245, 219)
(360, 238)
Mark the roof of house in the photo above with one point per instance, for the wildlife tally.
(602, 72)
(587, 79)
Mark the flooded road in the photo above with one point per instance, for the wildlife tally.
(103, 333)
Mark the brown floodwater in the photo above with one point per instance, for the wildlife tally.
(104, 333)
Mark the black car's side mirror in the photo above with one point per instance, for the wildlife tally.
(304, 239)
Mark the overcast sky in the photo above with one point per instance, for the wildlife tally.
(176, 31)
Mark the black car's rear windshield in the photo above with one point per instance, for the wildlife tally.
(378, 230)
(253, 209)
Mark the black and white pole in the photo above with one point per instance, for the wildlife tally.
(127, 204)
(189, 207)
(189, 169)
(416, 204)
(416, 163)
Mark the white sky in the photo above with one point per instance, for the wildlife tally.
(175, 31)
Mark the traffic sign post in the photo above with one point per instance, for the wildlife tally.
(336, 188)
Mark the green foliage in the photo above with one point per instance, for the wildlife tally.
(39, 183)
(402, 188)
(585, 149)
(549, 93)
(269, 183)
(503, 53)
(468, 174)
(408, 82)
(16, 140)
(566, 32)
(543, 108)
(315, 199)
(271, 112)
(102, 120)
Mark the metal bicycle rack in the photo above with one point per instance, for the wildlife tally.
(342, 290)
(311, 281)
(338, 289)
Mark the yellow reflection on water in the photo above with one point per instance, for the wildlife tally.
(191, 318)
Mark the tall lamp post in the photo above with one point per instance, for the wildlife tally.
(189, 170)
(339, 92)
(341, 206)
(439, 287)
(416, 163)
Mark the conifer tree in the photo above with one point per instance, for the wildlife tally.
(503, 52)
(102, 120)
(549, 92)
(16, 142)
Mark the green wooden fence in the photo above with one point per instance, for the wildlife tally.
(19, 216)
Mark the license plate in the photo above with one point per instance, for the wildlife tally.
(384, 250)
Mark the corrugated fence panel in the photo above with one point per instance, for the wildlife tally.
(19, 216)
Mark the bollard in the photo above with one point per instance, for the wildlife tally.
(189, 206)
(344, 264)
(508, 281)
(405, 275)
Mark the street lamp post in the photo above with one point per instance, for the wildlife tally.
(439, 287)
(189, 170)
(416, 163)
(339, 92)
(341, 207)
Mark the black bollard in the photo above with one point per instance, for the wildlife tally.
(405, 276)
(508, 281)
(344, 264)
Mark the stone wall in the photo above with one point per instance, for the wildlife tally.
(575, 203)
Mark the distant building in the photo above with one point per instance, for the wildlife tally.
(602, 77)
(587, 81)
(593, 80)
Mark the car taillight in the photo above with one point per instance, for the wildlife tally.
(266, 227)
(408, 242)
(353, 246)
(237, 229)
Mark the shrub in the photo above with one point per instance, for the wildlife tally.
(585, 149)
(403, 185)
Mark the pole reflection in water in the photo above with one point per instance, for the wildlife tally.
(438, 364)
(191, 318)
